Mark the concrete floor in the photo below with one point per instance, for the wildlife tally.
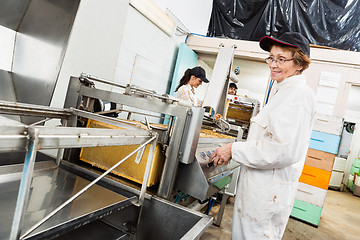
(340, 219)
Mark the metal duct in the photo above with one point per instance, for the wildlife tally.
(7, 91)
(43, 29)
(217, 90)
(12, 12)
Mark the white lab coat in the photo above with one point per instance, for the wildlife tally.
(272, 159)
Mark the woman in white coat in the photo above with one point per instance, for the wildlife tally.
(273, 156)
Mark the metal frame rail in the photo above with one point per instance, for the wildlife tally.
(17, 136)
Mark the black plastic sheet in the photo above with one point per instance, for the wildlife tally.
(330, 23)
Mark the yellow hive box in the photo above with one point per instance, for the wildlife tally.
(106, 157)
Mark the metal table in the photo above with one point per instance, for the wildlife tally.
(51, 186)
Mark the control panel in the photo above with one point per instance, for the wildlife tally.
(211, 172)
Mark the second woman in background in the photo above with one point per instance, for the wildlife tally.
(193, 78)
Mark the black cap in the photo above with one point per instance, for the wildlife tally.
(233, 85)
(200, 73)
(292, 39)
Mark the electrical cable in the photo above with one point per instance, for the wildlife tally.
(210, 205)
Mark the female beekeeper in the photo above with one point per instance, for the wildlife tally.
(193, 78)
(273, 156)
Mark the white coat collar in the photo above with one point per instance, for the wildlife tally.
(290, 81)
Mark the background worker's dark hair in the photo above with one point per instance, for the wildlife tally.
(185, 79)
(233, 85)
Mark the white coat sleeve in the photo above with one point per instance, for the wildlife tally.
(280, 134)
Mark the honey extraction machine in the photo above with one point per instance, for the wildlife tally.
(84, 171)
(66, 197)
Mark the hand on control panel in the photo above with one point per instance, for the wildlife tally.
(222, 155)
(205, 156)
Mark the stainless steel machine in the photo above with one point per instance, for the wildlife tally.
(48, 198)
(44, 197)
(201, 179)
(181, 140)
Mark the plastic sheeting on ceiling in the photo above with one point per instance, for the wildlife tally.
(330, 23)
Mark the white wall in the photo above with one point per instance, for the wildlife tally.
(94, 43)
(253, 78)
(147, 55)
(192, 16)
(146, 59)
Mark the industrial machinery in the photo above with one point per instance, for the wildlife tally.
(239, 111)
(182, 141)
(65, 197)
(55, 198)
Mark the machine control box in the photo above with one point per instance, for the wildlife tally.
(211, 172)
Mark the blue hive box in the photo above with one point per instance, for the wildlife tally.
(325, 142)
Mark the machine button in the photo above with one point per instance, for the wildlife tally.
(202, 154)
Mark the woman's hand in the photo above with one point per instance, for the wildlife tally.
(222, 155)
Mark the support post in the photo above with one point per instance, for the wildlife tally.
(25, 183)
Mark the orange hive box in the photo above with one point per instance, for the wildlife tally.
(315, 177)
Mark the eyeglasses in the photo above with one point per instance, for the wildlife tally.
(279, 61)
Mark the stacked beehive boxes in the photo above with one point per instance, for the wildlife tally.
(316, 174)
